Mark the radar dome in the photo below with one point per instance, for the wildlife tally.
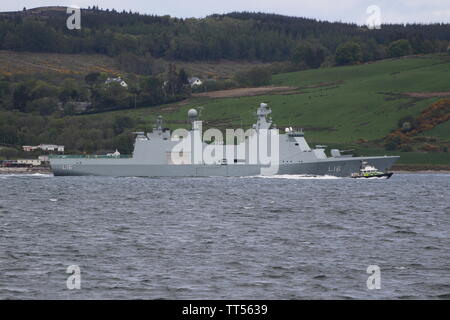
(192, 114)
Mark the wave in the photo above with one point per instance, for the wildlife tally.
(297, 177)
(33, 175)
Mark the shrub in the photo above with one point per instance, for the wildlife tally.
(390, 146)
(310, 54)
(399, 48)
(406, 148)
(257, 76)
(43, 106)
(348, 53)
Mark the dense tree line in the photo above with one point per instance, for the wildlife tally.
(66, 95)
(266, 37)
(33, 107)
(77, 134)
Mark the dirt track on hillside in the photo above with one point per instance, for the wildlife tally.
(427, 94)
(245, 92)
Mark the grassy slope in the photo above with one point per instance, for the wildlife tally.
(12, 62)
(360, 107)
(359, 102)
(441, 131)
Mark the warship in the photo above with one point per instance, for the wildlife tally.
(162, 153)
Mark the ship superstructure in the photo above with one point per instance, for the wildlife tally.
(189, 153)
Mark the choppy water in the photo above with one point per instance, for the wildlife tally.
(234, 238)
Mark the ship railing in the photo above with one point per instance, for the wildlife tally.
(296, 133)
(89, 157)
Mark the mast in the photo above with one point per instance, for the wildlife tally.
(263, 122)
(158, 126)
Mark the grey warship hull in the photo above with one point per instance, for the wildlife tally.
(127, 168)
(160, 154)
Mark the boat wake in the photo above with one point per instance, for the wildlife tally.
(299, 177)
(373, 178)
(32, 175)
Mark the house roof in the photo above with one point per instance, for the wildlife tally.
(194, 79)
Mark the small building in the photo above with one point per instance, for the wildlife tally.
(29, 162)
(44, 147)
(29, 148)
(51, 147)
(116, 80)
(115, 154)
(195, 82)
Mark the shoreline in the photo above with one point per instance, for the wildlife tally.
(420, 168)
(47, 170)
(39, 170)
(421, 171)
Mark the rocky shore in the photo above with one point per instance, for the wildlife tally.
(32, 170)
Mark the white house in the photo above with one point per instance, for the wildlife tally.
(115, 154)
(29, 148)
(51, 147)
(116, 80)
(195, 82)
(44, 147)
(32, 162)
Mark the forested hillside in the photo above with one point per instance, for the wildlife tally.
(266, 37)
(391, 106)
(56, 87)
(141, 48)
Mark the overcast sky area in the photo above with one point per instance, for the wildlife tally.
(392, 11)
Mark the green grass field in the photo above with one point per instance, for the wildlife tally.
(358, 102)
(13, 63)
(335, 105)
(441, 131)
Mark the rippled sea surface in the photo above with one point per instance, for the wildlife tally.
(224, 238)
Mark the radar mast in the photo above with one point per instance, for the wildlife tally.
(264, 122)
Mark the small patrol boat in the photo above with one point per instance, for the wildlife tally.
(367, 171)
